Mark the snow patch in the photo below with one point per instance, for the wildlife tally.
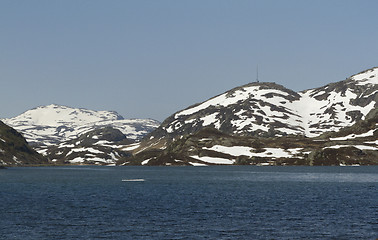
(213, 160)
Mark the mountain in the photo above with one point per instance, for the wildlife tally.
(267, 124)
(53, 124)
(353, 145)
(14, 149)
(268, 109)
(103, 146)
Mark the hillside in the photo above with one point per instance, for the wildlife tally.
(267, 124)
(102, 146)
(354, 145)
(14, 150)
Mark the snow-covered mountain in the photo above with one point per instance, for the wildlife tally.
(351, 146)
(269, 109)
(268, 124)
(54, 124)
(104, 146)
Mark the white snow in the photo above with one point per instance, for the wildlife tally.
(83, 149)
(77, 160)
(373, 142)
(131, 147)
(353, 136)
(294, 151)
(361, 147)
(213, 160)
(197, 164)
(234, 150)
(368, 77)
(248, 151)
(211, 119)
(145, 161)
(43, 152)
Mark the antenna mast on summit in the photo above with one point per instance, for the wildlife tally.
(257, 73)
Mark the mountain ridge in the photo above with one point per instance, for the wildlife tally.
(268, 124)
(265, 109)
(260, 123)
(53, 124)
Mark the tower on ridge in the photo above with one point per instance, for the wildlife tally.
(257, 73)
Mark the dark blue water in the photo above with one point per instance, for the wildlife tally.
(231, 202)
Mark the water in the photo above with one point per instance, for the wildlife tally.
(223, 202)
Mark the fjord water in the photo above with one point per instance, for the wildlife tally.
(221, 202)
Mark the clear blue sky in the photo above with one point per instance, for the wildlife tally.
(151, 58)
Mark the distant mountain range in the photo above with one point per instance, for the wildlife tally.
(53, 124)
(58, 133)
(258, 123)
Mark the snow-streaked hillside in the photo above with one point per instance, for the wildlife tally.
(104, 146)
(52, 124)
(269, 109)
(351, 146)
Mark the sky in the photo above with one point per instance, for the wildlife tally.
(152, 58)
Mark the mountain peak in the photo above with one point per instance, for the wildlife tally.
(56, 123)
(369, 76)
(56, 115)
(269, 109)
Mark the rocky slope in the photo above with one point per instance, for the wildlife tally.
(103, 146)
(267, 124)
(269, 109)
(54, 124)
(15, 151)
(354, 145)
